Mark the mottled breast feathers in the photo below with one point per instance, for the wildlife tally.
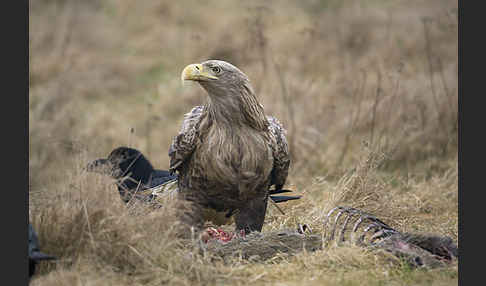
(186, 141)
(280, 151)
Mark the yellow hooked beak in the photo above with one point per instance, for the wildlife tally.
(196, 72)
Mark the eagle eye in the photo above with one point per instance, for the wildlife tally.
(216, 70)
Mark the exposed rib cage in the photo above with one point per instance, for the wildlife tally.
(347, 224)
(355, 226)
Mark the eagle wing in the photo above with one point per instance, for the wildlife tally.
(280, 151)
(185, 142)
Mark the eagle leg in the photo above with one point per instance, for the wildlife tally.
(251, 216)
(190, 214)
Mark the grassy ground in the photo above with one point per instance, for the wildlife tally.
(366, 89)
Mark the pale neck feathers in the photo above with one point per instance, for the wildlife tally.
(238, 106)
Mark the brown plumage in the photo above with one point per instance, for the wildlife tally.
(228, 152)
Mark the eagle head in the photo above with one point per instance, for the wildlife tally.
(218, 78)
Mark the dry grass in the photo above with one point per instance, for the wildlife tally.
(366, 89)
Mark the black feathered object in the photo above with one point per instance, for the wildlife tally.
(133, 171)
(35, 255)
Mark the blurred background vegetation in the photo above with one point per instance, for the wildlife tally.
(341, 75)
(336, 73)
